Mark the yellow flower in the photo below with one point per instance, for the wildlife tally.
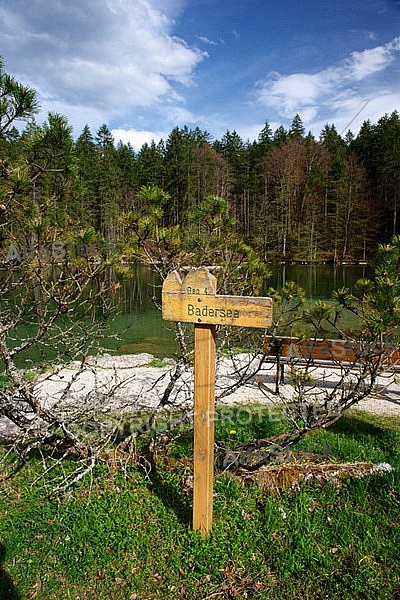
(232, 432)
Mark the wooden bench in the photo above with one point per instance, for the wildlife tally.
(325, 353)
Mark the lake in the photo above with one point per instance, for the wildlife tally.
(318, 281)
(140, 327)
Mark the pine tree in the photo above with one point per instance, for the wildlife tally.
(126, 160)
(237, 156)
(333, 143)
(378, 149)
(108, 192)
(388, 140)
(149, 165)
(179, 149)
(297, 128)
(280, 135)
(87, 159)
(17, 101)
(181, 172)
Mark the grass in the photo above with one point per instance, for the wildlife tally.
(123, 535)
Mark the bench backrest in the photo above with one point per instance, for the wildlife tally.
(345, 350)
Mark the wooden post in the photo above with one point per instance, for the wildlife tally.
(204, 415)
(195, 301)
(205, 284)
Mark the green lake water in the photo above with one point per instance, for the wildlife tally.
(318, 281)
(138, 327)
(141, 329)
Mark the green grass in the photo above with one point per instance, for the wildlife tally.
(122, 535)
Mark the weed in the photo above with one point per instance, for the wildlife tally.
(160, 362)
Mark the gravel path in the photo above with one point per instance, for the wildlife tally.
(131, 383)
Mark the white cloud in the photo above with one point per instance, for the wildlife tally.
(206, 40)
(136, 138)
(103, 57)
(368, 62)
(339, 91)
(291, 91)
(168, 114)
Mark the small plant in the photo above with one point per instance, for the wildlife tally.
(159, 363)
(5, 382)
(300, 378)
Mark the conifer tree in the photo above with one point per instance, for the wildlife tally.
(149, 165)
(17, 101)
(108, 192)
(86, 154)
(297, 128)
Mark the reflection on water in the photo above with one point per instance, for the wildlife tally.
(139, 290)
(147, 331)
(318, 281)
(138, 327)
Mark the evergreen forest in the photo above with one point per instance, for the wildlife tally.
(291, 197)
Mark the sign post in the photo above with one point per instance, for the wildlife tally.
(194, 300)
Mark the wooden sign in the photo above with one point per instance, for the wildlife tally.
(194, 300)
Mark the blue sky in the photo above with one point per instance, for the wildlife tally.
(146, 66)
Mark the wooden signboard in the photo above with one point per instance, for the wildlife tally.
(194, 300)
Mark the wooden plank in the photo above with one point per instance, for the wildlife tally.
(204, 397)
(199, 281)
(310, 349)
(344, 350)
(239, 311)
(172, 283)
(204, 408)
(194, 300)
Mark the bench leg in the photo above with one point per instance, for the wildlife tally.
(280, 376)
(279, 367)
(277, 379)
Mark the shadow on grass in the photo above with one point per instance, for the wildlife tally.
(7, 587)
(382, 438)
(350, 425)
(171, 495)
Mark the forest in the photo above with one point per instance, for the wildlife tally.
(291, 197)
